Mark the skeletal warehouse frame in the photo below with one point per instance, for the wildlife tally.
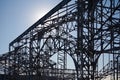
(86, 30)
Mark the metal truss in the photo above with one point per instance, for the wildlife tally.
(83, 29)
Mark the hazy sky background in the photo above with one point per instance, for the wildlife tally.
(17, 15)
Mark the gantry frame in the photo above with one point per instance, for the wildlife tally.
(83, 29)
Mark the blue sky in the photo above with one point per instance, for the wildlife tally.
(17, 15)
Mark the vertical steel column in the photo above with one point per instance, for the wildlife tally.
(79, 67)
(61, 54)
(31, 56)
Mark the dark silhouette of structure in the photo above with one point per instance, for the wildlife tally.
(86, 30)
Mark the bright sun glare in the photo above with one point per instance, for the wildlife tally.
(39, 14)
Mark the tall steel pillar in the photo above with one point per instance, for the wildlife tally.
(85, 52)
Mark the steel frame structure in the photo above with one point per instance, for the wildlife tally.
(83, 29)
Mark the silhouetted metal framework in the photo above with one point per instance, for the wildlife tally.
(87, 30)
